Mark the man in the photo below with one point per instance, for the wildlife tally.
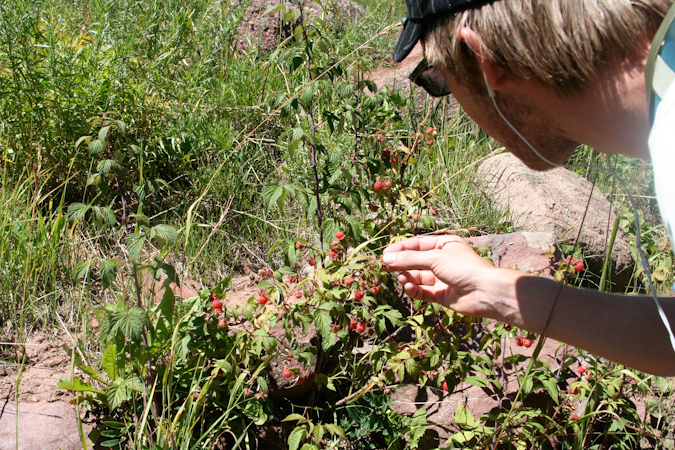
(542, 77)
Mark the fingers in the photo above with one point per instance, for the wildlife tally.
(421, 292)
(422, 243)
(417, 277)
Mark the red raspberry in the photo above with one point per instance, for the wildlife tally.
(222, 323)
(431, 130)
(263, 299)
(387, 185)
(575, 391)
(335, 243)
(386, 153)
(445, 386)
(358, 294)
(574, 417)
(519, 341)
(374, 290)
(348, 280)
(213, 296)
(299, 245)
(393, 160)
(332, 254)
(335, 328)
(581, 370)
(430, 142)
(312, 261)
(579, 267)
(360, 327)
(378, 185)
(339, 235)
(527, 343)
(353, 324)
(286, 373)
(217, 303)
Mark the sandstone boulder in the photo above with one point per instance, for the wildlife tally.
(556, 202)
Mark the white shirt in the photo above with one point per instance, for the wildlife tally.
(662, 150)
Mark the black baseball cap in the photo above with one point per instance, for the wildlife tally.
(419, 14)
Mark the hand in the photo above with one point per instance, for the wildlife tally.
(445, 270)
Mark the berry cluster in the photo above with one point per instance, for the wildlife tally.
(218, 310)
(523, 342)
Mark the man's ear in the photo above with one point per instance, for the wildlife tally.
(495, 76)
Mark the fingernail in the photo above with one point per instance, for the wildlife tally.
(389, 258)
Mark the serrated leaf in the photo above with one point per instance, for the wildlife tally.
(107, 165)
(297, 417)
(82, 269)
(335, 430)
(165, 233)
(108, 270)
(95, 147)
(108, 361)
(464, 418)
(296, 437)
(134, 243)
(77, 211)
(108, 216)
(323, 321)
(103, 133)
(77, 385)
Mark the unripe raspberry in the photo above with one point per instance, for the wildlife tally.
(387, 185)
(415, 217)
(374, 290)
(433, 212)
(335, 243)
(358, 294)
(217, 304)
(348, 280)
(339, 235)
(299, 245)
(378, 185)
(222, 323)
(430, 142)
(298, 294)
(430, 130)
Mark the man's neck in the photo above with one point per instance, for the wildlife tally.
(611, 114)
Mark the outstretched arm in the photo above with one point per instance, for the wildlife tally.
(621, 328)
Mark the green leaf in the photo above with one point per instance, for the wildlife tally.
(95, 147)
(164, 233)
(296, 437)
(130, 323)
(134, 243)
(167, 304)
(108, 269)
(323, 321)
(334, 430)
(121, 390)
(274, 194)
(297, 417)
(83, 269)
(464, 418)
(77, 211)
(77, 385)
(355, 228)
(103, 133)
(551, 386)
(107, 165)
(108, 361)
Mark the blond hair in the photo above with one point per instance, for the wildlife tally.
(560, 43)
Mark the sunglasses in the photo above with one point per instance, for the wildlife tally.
(430, 79)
